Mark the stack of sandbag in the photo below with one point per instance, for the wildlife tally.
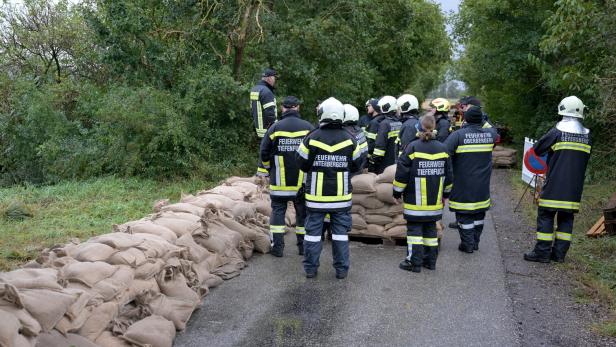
(141, 283)
(504, 157)
(375, 211)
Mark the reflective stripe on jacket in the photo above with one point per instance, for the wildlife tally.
(263, 107)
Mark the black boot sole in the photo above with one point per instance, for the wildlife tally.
(465, 250)
(429, 267)
(536, 260)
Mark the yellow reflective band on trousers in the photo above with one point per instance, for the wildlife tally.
(292, 134)
(545, 236)
(378, 152)
(568, 205)
(424, 192)
(393, 133)
(487, 147)
(319, 184)
(414, 240)
(300, 231)
(469, 206)
(277, 229)
(430, 241)
(427, 156)
(261, 169)
(340, 183)
(574, 146)
(329, 148)
(563, 236)
(371, 136)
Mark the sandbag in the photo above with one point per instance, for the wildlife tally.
(106, 339)
(46, 306)
(88, 273)
(376, 230)
(384, 192)
(398, 231)
(139, 287)
(32, 279)
(92, 251)
(176, 310)
(228, 191)
(216, 201)
(369, 201)
(28, 325)
(178, 215)
(154, 246)
(83, 298)
(150, 269)
(364, 183)
(113, 286)
(119, 241)
(249, 188)
(146, 227)
(153, 331)
(67, 325)
(55, 339)
(98, 320)
(247, 233)
(389, 210)
(9, 329)
(263, 207)
(388, 175)
(358, 221)
(180, 227)
(172, 283)
(132, 257)
(247, 249)
(242, 210)
(234, 179)
(377, 219)
(358, 209)
(196, 253)
(158, 205)
(183, 207)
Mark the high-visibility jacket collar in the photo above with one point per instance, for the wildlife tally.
(265, 84)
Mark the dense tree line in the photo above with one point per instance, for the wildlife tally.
(160, 88)
(523, 56)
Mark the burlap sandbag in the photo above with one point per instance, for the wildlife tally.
(227, 271)
(247, 249)
(389, 210)
(398, 231)
(263, 207)
(153, 331)
(147, 227)
(119, 241)
(72, 325)
(46, 306)
(228, 191)
(139, 287)
(247, 233)
(290, 216)
(358, 209)
(150, 269)
(205, 277)
(368, 201)
(249, 188)
(364, 183)
(388, 175)
(113, 286)
(179, 226)
(176, 310)
(234, 179)
(243, 210)
(99, 320)
(92, 251)
(9, 329)
(83, 298)
(376, 230)
(28, 325)
(154, 246)
(106, 339)
(55, 339)
(178, 215)
(196, 253)
(377, 219)
(384, 192)
(172, 283)
(358, 221)
(88, 273)
(132, 257)
(217, 201)
(32, 278)
(184, 207)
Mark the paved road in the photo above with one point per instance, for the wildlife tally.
(463, 302)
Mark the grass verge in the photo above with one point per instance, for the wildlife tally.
(591, 261)
(78, 210)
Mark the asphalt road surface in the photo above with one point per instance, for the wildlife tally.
(463, 303)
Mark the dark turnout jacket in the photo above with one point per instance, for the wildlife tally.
(471, 151)
(385, 145)
(422, 173)
(328, 156)
(568, 155)
(278, 149)
(263, 106)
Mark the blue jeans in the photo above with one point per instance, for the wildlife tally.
(340, 226)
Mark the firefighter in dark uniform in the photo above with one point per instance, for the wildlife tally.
(443, 125)
(385, 150)
(409, 116)
(364, 120)
(278, 149)
(423, 171)
(263, 108)
(471, 151)
(568, 148)
(351, 116)
(328, 155)
(372, 129)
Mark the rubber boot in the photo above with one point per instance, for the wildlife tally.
(278, 247)
(533, 256)
(300, 244)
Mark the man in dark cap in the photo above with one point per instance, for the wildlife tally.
(277, 154)
(263, 104)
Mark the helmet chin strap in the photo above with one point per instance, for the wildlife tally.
(571, 125)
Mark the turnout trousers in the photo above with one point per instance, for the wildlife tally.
(313, 242)
(277, 221)
(549, 244)
(422, 243)
(470, 226)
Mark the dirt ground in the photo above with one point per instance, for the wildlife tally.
(544, 308)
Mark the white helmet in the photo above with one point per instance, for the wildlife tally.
(571, 106)
(407, 102)
(351, 114)
(331, 110)
(387, 104)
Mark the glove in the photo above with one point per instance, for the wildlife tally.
(397, 195)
